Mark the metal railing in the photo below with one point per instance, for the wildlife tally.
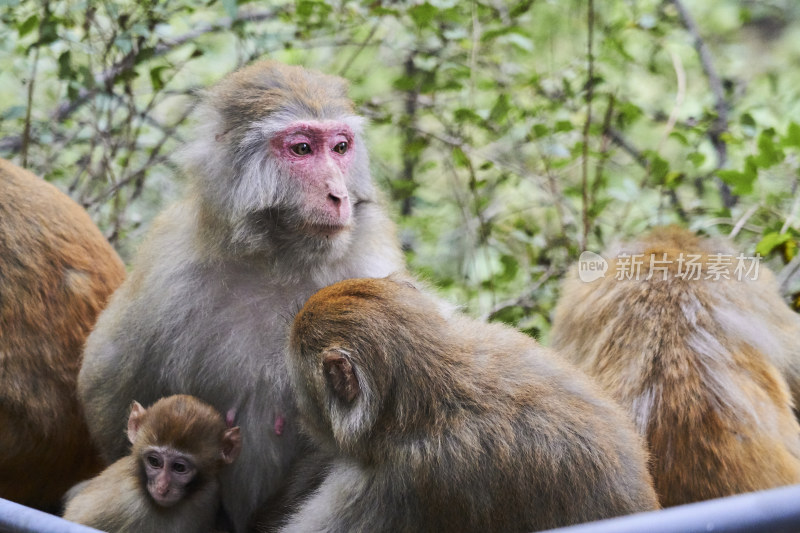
(16, 518)
(769, 511)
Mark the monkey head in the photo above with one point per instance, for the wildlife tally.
(178, 441)
(280, 160)
(354, 350)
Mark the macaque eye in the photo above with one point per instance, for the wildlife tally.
(301, 148)
(340, 148)
(180, 468)
(153, 461)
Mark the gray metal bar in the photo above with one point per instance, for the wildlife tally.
(16, 518)
(768, 511)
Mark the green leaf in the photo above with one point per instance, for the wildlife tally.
(48, 31)
(680, 137)
(65, 71)
(659, 167)
(459, 157)
(564, 125)
(540, 130)
(28, 26)
(510, 268)
(769, 153)
(770, 241)
(423, 14)
(500, 109)
(747, 120)
(464, 114)
(697, 159)
(740, 182)
(792, 135)
(155, 77)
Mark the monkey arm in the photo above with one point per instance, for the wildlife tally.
(339, 505)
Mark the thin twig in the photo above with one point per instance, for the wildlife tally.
(526, 301)
(620, 140)
(586, 126)
(792, 214)
(26, 135)
(720, 124)
(680, 95)
(360, 48)
(743, 220)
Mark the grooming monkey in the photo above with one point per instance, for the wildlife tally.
(441, 423)
(169, 481)
(56, 273)
(281, 203)
(697, 362)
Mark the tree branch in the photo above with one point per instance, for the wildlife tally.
(720, 124)
(586, 126)
(12, 143)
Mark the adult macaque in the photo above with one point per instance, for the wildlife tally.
(169, 481)
(281, 203)
(56, 273)
(441, 423)
(696, 359)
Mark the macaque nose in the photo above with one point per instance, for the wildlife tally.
(338, 200)
(335, 200)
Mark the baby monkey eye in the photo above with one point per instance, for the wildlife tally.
(301, 148)
(340, 148)
(179, 468)
(154, 461)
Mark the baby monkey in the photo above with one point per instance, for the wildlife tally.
(438, 422)
(169, 481)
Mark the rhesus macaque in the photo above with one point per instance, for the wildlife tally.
(442, 423)
(169, 481)
(281, 203)
(696, 361)
(56, 274)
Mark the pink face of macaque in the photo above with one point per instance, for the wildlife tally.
(168, 474)
(319, 155)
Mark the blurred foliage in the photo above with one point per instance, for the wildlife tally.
(508, 135)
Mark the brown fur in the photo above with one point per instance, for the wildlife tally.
(118, 501)
(56, 273)
(696, 362)
(441, 423)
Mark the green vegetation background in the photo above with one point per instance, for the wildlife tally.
(508, 135)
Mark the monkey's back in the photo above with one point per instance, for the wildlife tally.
(696, 362)
(520, 441)
(565, 451)
(56, 273)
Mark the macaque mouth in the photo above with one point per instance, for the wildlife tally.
(325, 230)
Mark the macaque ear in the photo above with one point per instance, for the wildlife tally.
(135, 420)
(231, 444)
(340, 375)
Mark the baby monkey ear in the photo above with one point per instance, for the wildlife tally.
(340, 375)
(135, 420)
(231, 444)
